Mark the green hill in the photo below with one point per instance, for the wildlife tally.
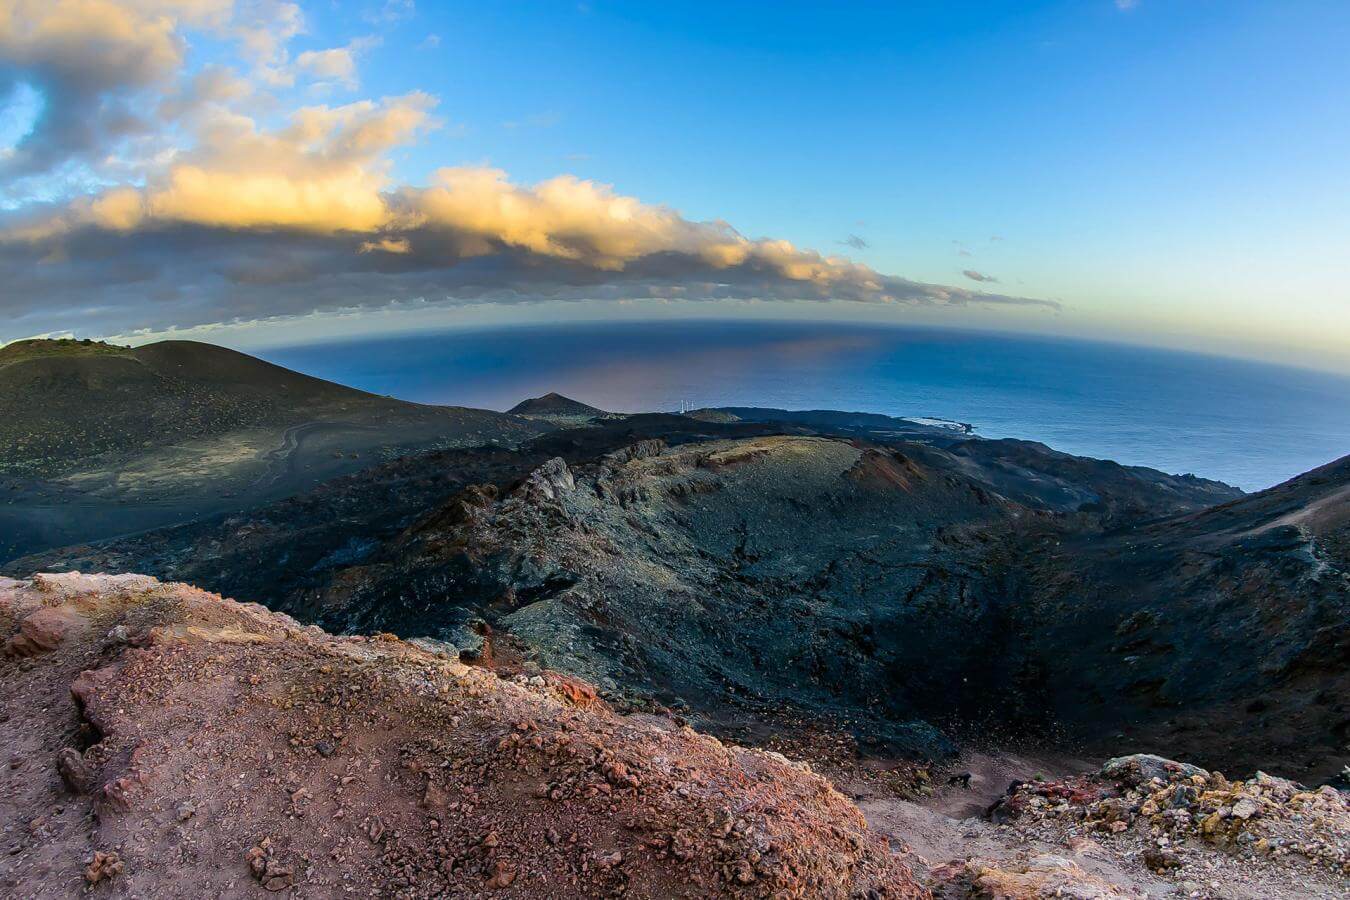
(63, 402)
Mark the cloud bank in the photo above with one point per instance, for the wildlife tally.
(202, 203)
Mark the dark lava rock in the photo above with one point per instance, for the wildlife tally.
(912, 590)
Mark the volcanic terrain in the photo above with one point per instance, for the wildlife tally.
(98, 440)
(940, 625)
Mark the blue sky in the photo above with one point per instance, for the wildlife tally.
(1170, 172)
(1185, 155)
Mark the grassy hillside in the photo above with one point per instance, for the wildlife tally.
(22, 351)
(63, 402)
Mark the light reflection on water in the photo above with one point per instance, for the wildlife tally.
(1246, 423)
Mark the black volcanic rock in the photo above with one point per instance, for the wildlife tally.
(740, 570)
(1032, 473)
(835, 420)
(735, 577)
(917, 589)
(1223, 633)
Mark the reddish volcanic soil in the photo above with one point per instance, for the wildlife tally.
(162, 741)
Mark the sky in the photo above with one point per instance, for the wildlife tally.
(1165, 172)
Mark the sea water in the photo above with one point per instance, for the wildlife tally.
(1249, 424)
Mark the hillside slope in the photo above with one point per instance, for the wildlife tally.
(65, 402)
(555, 408)
(163, 740)
(98, 440)
(1229, 626)
(159, 737)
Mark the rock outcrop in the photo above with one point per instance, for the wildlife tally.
(730, 579)
(158, 736)
(164, 738)
(1236, 838)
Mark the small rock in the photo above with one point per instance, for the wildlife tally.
(502, 875)
(272, 875)
(1161, 860)
(75, 772)
(103, 867)
(39, 632)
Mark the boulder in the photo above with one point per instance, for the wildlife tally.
(1141, 768)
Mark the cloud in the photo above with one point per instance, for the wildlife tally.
(336, 65)
(100, 65)
(233, 213)
(85, 58)
(386, 245)
(978, 276)
(218, 255)
(430, 42)
(185, 275)
(323, 172)
(1126, 5)
(392, 11)
(214, 85)
(854, 241)
(264, 29)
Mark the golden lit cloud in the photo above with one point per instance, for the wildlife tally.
(386, 245)
(226, 209)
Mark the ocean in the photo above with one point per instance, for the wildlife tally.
(1249, 424)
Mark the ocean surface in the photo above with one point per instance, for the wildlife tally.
(1249, 424)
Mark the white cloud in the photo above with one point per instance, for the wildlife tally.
(216, 209)
(392, 11)
(336, 65)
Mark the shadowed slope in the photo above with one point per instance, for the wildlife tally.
(98, 441)
(1223, 634)
(63, 402)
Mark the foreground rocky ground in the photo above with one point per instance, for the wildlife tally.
(166, 742)
(162, 740)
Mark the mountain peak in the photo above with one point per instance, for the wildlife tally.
(554, 405)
